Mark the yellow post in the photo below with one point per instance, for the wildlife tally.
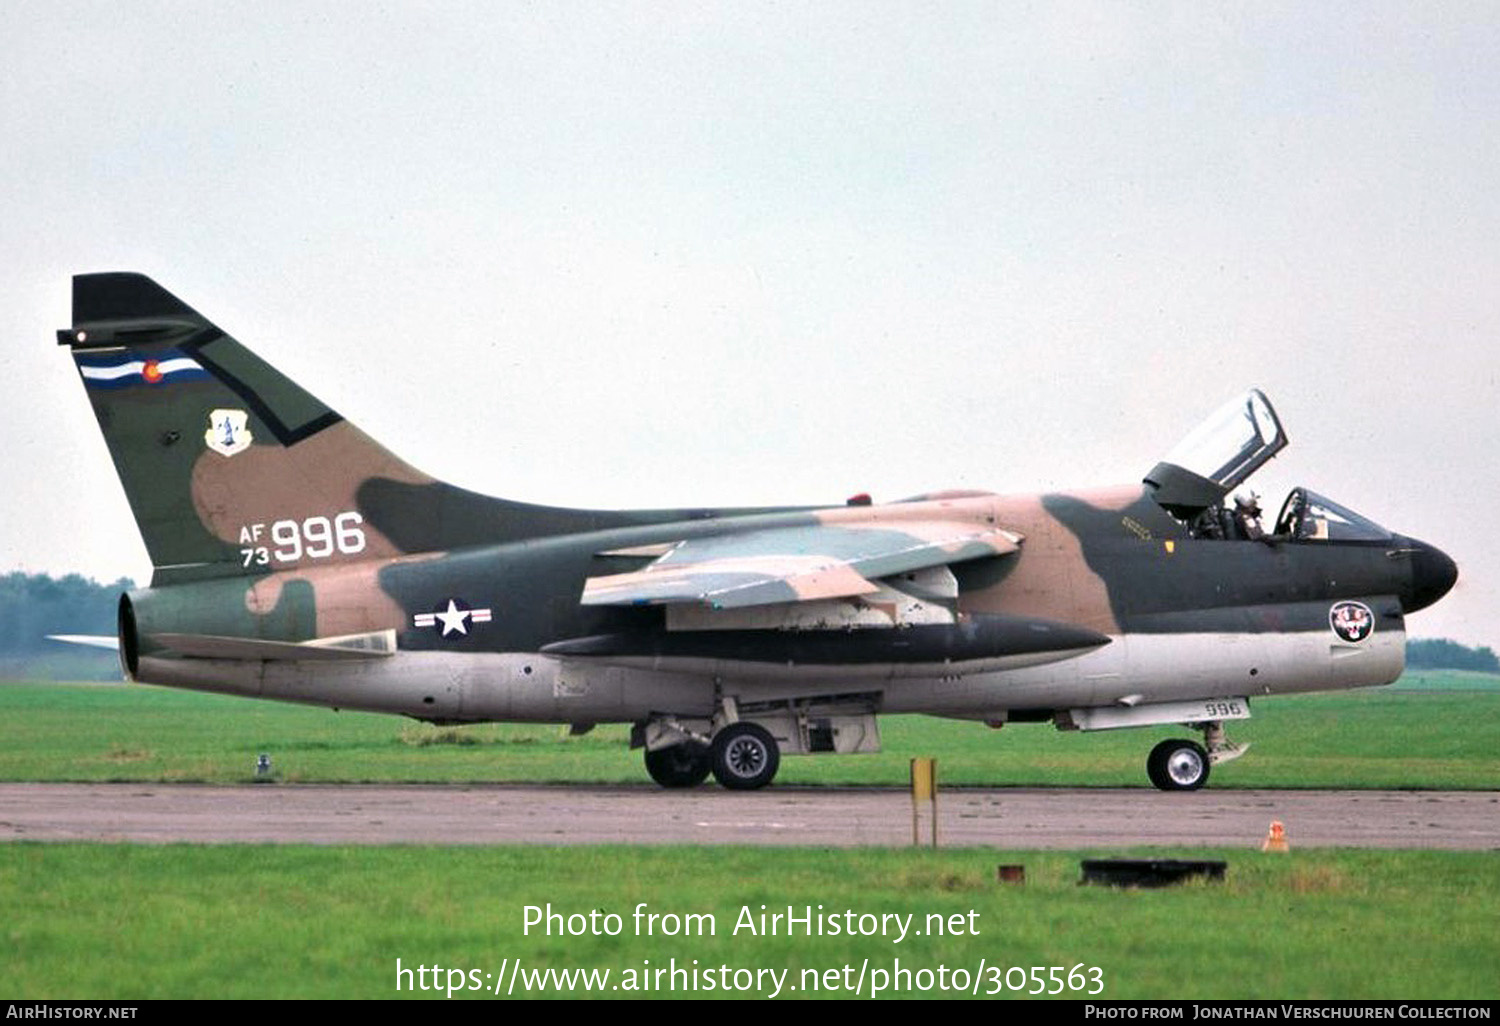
(923, 785)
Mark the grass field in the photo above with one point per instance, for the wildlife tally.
(1438, 730)
(180, 921)
(213, 922)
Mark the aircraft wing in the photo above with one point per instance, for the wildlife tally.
(797, 563)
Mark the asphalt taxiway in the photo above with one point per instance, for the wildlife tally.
(1020, 818)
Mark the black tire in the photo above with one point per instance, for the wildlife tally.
(1178, 765)
(684, 765)
(746, 756)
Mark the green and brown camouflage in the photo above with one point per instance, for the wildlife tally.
(297, 559)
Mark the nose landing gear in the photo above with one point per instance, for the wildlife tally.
(1181, 765)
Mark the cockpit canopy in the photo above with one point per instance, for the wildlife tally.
(1307, 516)
(1220, 454)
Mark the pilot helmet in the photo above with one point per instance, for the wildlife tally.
(1247, 501)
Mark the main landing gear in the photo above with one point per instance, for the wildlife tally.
(742, 757)
(741, 754)
(1181, 765)
(681, 765)
(745, 756)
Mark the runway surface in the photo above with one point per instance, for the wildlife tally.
(823, 817)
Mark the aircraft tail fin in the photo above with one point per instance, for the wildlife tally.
(231, 468)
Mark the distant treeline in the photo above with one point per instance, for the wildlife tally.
(1442, 654)
(33, 606)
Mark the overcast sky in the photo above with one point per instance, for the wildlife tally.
(646, 254)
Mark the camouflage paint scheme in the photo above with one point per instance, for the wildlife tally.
(297, 559)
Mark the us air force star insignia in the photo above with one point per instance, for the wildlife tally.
(455, 619)
(228, 432)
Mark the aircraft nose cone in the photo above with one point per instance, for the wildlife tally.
(1433, 574)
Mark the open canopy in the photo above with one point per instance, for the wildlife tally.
(1221, 454)
(1218, 455)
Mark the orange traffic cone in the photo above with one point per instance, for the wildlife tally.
(1276, 839)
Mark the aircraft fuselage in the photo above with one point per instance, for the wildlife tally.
(1180, 618)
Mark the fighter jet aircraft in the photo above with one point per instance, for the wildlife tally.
(297, 559)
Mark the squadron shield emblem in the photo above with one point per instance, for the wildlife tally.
(228, 432)
(1351, 621)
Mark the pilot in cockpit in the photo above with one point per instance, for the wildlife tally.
(1247, 517)
(1211, 524)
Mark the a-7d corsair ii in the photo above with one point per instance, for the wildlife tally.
(297, 559)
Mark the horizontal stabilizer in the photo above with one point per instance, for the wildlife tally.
(208, 646)
(108, 641)
(797, 563)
